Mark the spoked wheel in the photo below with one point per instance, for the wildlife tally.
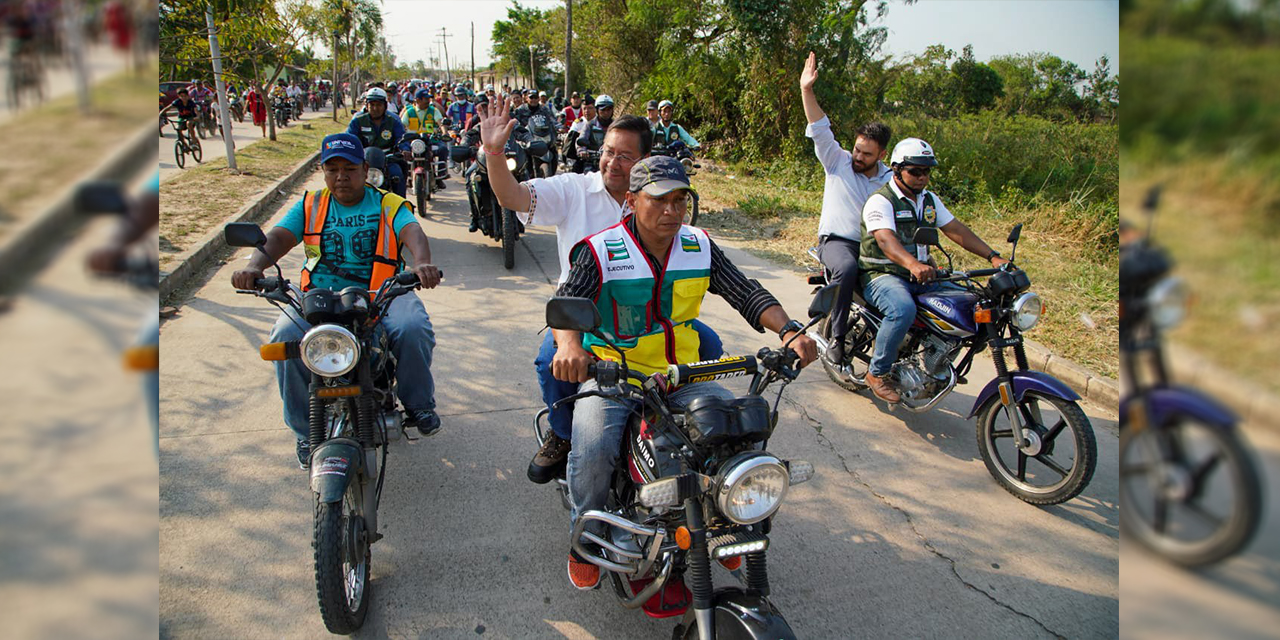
(180, 154)
(342, 557)
(196, 151)
(508, 238)
(1189, 492)
(859, 340)
(420, 198)
(1055, 465)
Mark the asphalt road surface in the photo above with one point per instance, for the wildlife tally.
(902, 533)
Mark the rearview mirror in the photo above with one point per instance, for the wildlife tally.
(101, 197)
(927, 236)
(1153, 198)
(572, 314)
(824, 300)
(1016, 233)
(243, 234)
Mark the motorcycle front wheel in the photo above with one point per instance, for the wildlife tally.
(508, 238)
(1061, 458)
(342, 581)
(1190, 492)
(418, 194)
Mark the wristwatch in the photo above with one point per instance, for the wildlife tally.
(793, 325)
(993, 254)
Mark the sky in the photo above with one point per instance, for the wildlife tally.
(1077, 30)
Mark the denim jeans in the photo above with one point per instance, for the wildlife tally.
(598, 426)
(710, 348)
(412, 339)
(895, 298)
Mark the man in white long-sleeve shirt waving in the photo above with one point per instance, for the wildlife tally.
(851, 179)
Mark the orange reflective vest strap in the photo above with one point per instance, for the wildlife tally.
(386, 258)
(315, 208)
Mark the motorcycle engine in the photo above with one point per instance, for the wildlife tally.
(921, 375)
(936, 353)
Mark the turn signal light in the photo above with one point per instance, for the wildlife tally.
(274, 351)
(338, 392)
(982, 316)
(683, 539)
(142, 358)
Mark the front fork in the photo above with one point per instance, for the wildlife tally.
(1007, 396)
(363, 414)
(700, 583)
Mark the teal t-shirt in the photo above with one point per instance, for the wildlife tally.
(349, 238)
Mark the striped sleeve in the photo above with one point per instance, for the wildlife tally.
(584, 275)
(747, 297)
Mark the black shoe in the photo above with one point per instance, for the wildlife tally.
(304, 454)
(835, 355)
(549, 459)
(474, 227)
(439, 185)
(427, 422)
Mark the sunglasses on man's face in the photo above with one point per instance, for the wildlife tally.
(920, 171)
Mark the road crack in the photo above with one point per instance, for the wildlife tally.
(826, 442)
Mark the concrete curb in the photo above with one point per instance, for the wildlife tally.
(193, 260)
(29, 247)
(1095, 387)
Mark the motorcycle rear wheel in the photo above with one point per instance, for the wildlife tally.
(342, 587)
(1020, 480)
(508, 238)
(858, 339)
(1227, 475)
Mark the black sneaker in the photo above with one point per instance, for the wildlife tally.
(427, 422)
(304, 454)
(547, 461)
(835, 355)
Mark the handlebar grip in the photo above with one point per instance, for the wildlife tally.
(731, 367)
(269, 283)
(977, 273)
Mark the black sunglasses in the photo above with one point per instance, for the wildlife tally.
(920, 171)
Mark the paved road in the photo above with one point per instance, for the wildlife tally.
(244, 134)
(901, 534)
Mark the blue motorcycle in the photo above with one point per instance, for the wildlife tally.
(1189, 488)
(1032, 435)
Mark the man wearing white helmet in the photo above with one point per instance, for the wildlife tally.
(894, 268)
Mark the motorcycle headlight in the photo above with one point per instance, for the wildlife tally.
(511, 164)
(418, 147)
(376, 178)
(1167, 302)
(1027, 309)
(330, 350)
(751, 489)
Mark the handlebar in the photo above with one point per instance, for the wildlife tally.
(679, 374)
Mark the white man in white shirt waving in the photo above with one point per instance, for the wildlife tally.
(895, 269)
(851, 179)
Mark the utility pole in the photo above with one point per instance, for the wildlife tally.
(222, 89)
(533, 73)
(473, 55)
(448, 72)
(75, 38)
(568, 45)
(337, 88)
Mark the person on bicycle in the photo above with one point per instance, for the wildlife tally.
(376, 127)
(188, 111)
(336, 223)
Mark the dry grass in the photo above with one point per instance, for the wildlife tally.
(780, 222)
(49, 148)
(203, 196)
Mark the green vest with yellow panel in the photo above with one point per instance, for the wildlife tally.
(647, 316)
(872, 261)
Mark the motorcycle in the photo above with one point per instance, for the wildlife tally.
(462, 151)
(1021, 414)
(426, 169)
(314, 99)
(492, 219)
(377, 159)
(208, 120)
(590, 160)
(680, 151)
(1182, 457)
(282, 111)
(694, 484)
(542, 128)
(354, 417)
(237, 108)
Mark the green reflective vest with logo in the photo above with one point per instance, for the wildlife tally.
(649, 317)
(872, 261)
(421, 121)
(372, 135)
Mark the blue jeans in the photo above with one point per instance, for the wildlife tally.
(710, 348)
(895, 298)
(412, 339)
(598, 426)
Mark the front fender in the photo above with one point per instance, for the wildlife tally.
(742, 616)
(333, 464)
(1166, 403)
(1024, 381)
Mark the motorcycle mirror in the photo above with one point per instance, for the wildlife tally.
(1153, 198)
(572, 314)
(926, 235)
(1016, 233)
(101, 197)
(823, 301)
(244, 234)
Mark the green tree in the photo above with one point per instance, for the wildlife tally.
(977, 84)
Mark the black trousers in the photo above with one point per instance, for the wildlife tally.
(840, 255)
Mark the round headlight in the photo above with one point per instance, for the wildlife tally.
(418, 147)
(330, 350)
(511, 164)
(1167, 302)
(752, 489)
(1026, 311)
(375, 177)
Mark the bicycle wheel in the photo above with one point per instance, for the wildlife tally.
(196, 151)
(179, 154)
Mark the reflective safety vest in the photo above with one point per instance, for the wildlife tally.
(420, 120)
(386, 258)
(872, 260)
(648, 317)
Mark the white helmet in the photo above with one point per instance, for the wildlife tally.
(913, 151)
(375, 94)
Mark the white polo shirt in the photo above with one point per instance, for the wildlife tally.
(878, 214)
(845, 190)
(576, 204)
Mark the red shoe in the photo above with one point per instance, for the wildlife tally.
(583, 575)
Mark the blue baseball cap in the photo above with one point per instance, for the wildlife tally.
(342, 145)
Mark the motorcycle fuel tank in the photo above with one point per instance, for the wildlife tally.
(650, 452)
(949, 311)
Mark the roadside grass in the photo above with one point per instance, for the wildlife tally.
(1218, 223)
(1076, 279)
(52, 145)
(203, 196)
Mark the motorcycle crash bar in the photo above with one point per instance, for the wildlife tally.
(280, 350)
